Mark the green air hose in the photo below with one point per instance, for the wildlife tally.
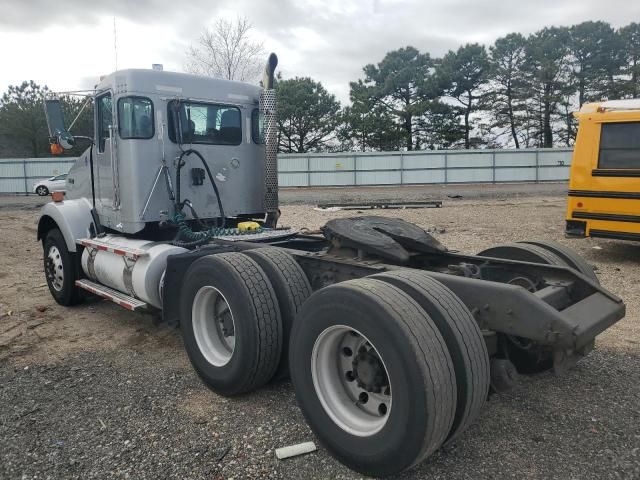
(188, 238)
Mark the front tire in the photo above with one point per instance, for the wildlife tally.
(230, 322)
(372, 376)
(42, 191)
(61, 269)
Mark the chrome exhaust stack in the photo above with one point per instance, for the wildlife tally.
(268, 109)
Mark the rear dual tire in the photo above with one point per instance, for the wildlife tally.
(394, 318)
(230, 322)
(237, 310)
(292, 289)
(462, 336)
(529, 357)
(568, 256)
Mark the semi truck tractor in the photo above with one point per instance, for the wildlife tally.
(392, 341)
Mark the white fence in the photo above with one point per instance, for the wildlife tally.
(423, 167)
(361, 168)
(18, 174)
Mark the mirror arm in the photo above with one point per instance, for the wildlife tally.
(85, 137)
(87, 101)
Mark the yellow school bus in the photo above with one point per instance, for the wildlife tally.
(604, 188)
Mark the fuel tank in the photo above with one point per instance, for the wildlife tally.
(139, 278)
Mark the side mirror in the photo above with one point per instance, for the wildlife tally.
(59, 137)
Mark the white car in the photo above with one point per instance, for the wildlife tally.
(53, 184)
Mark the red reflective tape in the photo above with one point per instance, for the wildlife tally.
(124, 304)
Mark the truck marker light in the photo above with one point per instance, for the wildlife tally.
(56, 149)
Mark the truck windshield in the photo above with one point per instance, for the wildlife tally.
(206, 123)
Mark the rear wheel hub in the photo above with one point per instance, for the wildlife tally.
(368, 371)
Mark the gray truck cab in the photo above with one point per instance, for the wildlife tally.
(137, 117)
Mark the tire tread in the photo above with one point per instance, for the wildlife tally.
(567, 255)
(471, 361)
(436, 362)
(267, 315)
(292, 289)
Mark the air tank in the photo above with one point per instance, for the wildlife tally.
(139, 278)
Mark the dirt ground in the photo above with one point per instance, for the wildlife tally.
(97, 392)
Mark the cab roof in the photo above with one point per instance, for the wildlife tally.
(179, 85)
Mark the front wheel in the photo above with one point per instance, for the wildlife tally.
(61, 269)
(42, 191)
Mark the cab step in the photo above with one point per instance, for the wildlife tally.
(119, 298)
(131, 253)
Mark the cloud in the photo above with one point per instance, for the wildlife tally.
(328, 40)
(33, 15)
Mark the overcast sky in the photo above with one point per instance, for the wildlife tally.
(68, 44)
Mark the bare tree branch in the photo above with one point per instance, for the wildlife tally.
(227, 51)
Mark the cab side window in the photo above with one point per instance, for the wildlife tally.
(135, 118)
(257, 126)
(105, 119)
(620, 146)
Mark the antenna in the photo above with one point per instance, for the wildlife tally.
(115, 42)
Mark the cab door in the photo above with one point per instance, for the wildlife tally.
(106, 165)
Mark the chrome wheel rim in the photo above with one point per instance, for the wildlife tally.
(42, 191)
(55, 269)
(351, 380)
(213, 326)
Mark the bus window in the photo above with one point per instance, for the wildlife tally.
(619, 146)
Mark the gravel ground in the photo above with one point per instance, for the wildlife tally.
(412, 193)
(97, 392)
(313, 196)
